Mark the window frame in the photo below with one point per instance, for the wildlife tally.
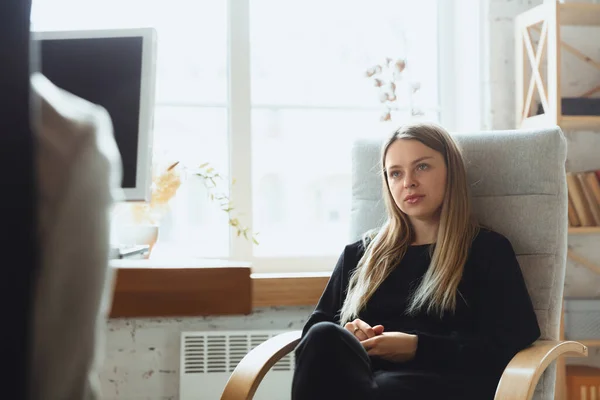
(239, 106)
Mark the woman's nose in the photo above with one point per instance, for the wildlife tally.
(409, 181)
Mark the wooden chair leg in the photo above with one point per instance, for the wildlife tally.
(561, 368)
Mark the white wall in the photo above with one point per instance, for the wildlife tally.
(142, 357)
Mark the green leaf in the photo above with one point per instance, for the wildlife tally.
(203, 165)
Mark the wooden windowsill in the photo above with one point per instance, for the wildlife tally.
(301, 289)
(143, 288)
(201, 288)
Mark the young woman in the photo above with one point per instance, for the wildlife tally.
(430, 306)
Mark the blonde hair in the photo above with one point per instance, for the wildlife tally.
(386, 247)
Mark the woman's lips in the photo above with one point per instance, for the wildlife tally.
(414, 199)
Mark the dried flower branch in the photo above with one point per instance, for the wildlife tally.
(211, 178)
(385, 76)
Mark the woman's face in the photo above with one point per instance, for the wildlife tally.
(416, 177)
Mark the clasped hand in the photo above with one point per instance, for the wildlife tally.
(391, 346)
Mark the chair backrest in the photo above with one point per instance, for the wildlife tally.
(518, 185)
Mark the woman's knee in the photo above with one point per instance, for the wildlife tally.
(322, 334)
(321, 338)
(325, 331)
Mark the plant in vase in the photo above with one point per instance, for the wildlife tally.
(147, 217)
(165, 184)
(164, 187)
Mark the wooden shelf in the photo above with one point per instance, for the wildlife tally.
(584, 230)
(590, 342)
(583, 14)
(532, 87)
(570, 122)
(566, 122)
(538, 54)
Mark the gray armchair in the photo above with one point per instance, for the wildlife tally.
(519, 189)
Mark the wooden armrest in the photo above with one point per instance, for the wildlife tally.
(517, 382)
(248, 374)
(523, 372)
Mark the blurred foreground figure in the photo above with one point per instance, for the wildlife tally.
(78, 179)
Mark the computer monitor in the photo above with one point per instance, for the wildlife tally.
(115, 69)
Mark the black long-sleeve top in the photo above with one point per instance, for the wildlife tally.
(464, 353)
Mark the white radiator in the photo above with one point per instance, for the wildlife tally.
(209, 358)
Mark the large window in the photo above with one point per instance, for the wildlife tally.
(272, 94)
(311, 99)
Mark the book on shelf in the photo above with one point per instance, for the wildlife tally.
(591, 189)
(584, 198)
(573, 218)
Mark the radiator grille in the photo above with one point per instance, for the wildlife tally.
(218, 352)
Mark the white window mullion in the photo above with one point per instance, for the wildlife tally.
(462, 64)
(447, 84)
(240, 141)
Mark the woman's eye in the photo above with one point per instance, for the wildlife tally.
(422, 167)
(394, 174)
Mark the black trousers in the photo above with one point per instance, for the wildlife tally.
(332, 364)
